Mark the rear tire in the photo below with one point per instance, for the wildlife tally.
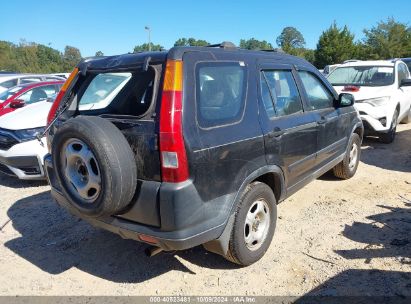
(254, 225)
(389, 137)
(347, 168)
(94, 165)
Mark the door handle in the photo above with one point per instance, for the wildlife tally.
(277, 132)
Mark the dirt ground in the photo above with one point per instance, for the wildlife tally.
(333, 238)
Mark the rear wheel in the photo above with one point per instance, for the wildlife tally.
(389, 137)
(254, 225)
(347, 168)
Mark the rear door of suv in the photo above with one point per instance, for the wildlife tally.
(290, 133)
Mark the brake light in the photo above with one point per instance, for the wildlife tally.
(351, 88)
(174, 167)
(57, 101)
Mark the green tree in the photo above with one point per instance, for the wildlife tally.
(334, 46)
(290, 40)
(254, 44)
(145, 47)
(99, 54)
(389, 39)
(72, 57)
(191, 42)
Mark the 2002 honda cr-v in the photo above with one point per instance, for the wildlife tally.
(196, 145)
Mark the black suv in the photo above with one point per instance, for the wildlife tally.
(196, 145)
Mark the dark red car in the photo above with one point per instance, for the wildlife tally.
(18, 96)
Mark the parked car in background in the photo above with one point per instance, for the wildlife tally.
(196, 145)
(329, 68)
(21, 153)
(8, 81)
(62, 75)
(20, 96)
(382, 91)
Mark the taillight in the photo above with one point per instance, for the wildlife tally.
(351, 88)
(174, 167)
(56, 103)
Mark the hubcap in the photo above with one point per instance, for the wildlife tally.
(81, 170)
(257, 224)
(353, 156)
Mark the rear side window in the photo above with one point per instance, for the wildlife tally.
(283, 92)
(220, 91)
(318, 96)
(8, 83)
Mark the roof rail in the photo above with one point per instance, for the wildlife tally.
(276, 50)
(224, 45)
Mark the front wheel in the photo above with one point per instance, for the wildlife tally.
(347, 168)
(389, 137)
(254, 225)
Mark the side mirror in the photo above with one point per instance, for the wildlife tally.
(405, 83)
(345, 100)
(17, 103)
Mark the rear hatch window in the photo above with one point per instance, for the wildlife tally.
(117, 93)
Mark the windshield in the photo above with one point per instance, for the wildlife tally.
(362, 76)
(10, 92)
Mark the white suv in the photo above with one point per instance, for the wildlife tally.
(21, 153)
(382, 91)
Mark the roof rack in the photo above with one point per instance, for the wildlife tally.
(224, 45)
(276, 50)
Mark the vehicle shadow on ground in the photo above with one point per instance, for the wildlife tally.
(395, 156)
(56, 241)
(384, 235)
(14, 182)
(387, 235)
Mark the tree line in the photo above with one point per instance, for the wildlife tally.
(387, 39)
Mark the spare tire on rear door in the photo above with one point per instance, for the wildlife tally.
(95, 166)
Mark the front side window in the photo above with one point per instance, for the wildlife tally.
(283, 92)
(38, 94)
(221, 91)
(362, 76)
(318, 96)
(402, 72)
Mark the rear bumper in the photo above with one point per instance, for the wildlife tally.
(24, 160)
(184, 221)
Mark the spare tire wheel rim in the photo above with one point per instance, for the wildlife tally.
(257, 224)
(81, 170)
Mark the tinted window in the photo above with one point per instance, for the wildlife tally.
(8, 83)
(266, 96)
(402, 72)
(318, 96)
(284, 93)
(362, 76)
(220, 93)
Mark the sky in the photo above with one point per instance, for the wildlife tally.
(116, 26)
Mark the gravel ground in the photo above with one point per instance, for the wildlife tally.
(333, 238)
